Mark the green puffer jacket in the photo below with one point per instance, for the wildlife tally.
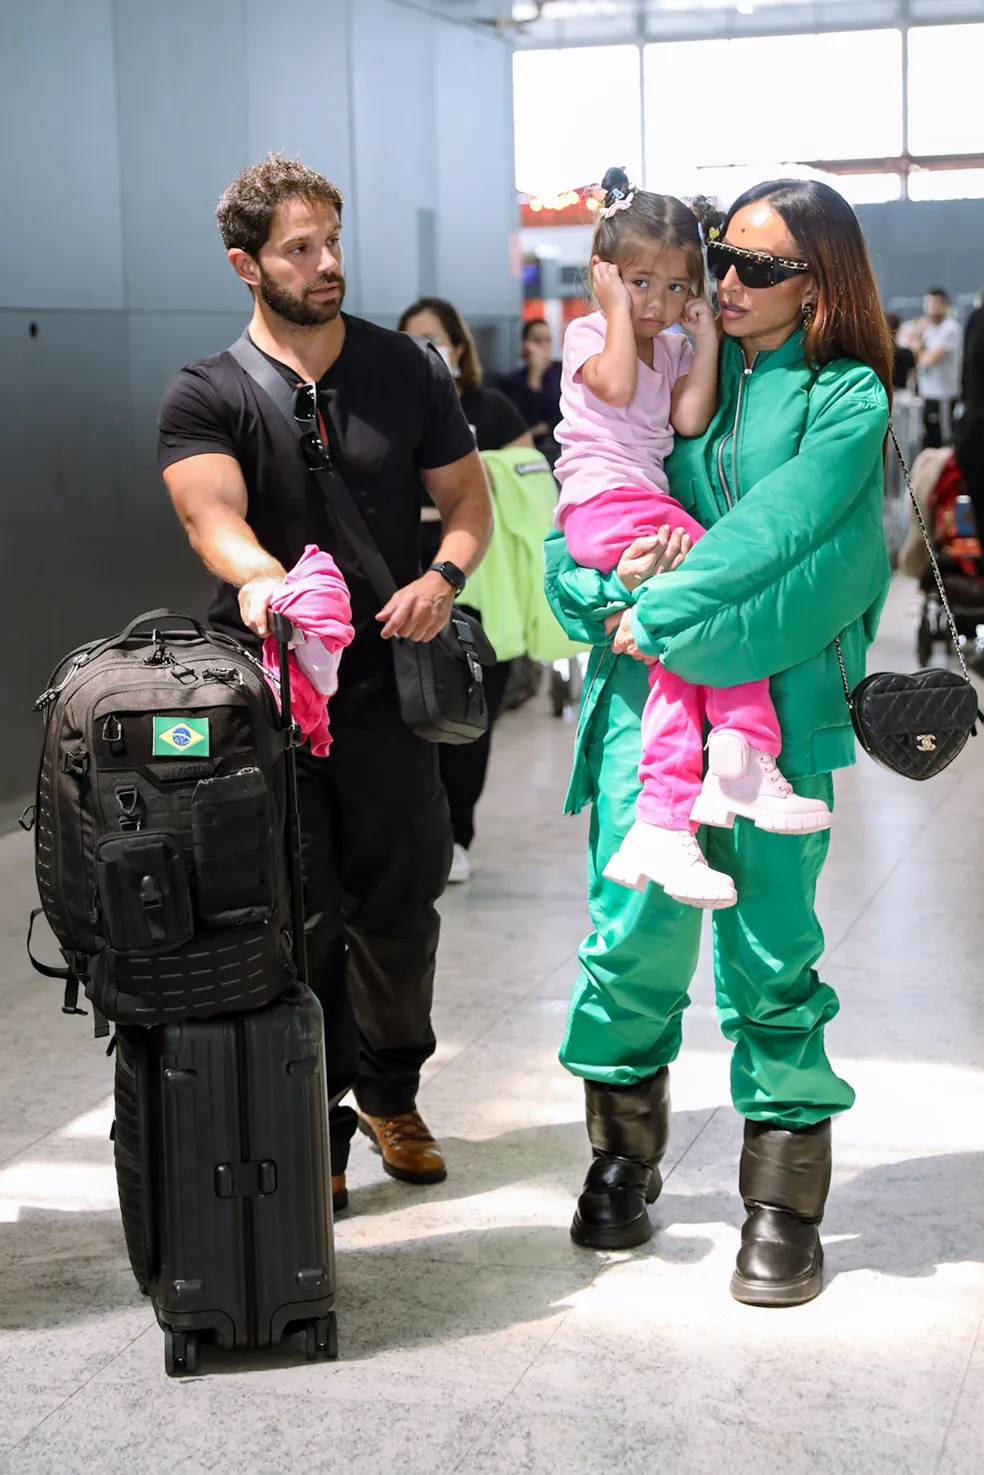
(788, 480)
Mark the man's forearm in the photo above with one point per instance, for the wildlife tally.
(465, 506)
(467, 534)
(227, 546)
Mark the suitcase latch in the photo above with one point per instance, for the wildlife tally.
(245, 1180)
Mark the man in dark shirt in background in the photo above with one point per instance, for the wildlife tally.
(376, 836)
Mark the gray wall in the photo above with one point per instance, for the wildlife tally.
(130, 118)
(919, 244)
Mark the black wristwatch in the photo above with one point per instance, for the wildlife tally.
(452, 573)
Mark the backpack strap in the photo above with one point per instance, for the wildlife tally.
(338, 500)
(73, 975)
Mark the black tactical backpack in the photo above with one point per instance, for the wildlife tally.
(159, 849)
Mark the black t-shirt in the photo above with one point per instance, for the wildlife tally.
(903, 364)
(496, 419)
(391, 411)
(536, 405)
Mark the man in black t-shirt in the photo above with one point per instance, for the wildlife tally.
(376, 836)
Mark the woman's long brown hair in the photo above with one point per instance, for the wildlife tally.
(469, 365)
(849, 320)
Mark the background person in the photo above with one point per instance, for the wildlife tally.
(497, 424)
(535, 388)
(939, 358)
(375, 832)
(972, 378)
(904, 360)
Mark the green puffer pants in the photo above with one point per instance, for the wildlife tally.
(625, 1018)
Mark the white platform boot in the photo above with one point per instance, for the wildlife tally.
(742, 780)
(674, 860)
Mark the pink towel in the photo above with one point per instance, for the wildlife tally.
(315, 598)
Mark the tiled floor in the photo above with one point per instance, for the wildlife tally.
(475, 1338)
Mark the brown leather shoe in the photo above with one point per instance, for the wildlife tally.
(339, 1193)
(408, 1150)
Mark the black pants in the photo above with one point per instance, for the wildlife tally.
(465, 765)
(937, 423)
(376, 851)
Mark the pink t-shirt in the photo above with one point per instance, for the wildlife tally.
(608, 446)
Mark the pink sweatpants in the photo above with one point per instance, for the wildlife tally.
(597, 533)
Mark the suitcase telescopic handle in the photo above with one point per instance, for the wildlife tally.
(280, 627)
(282, 631)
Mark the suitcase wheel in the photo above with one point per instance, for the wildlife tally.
(321, 1338)
(180, 1353)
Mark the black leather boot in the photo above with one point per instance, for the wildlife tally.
(784, 1178)
(629, 1127)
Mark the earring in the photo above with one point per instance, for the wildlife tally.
(809, 313)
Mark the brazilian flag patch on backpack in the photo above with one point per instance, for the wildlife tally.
(176, 737)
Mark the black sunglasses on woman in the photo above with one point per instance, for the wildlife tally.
(754, 268)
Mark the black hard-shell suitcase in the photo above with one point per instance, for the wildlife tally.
(222, 1158)
(224, 1177)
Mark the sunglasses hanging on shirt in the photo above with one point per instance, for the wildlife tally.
(313, 448)
(755, 269)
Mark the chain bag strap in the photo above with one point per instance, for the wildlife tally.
(954, 636)
(914, 725)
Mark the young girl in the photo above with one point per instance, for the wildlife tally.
(628, 384)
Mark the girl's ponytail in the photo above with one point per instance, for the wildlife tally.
(616, 187)
(710, 217)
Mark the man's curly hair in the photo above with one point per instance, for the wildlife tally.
(245, 211)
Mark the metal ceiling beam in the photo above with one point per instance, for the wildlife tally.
(639, 23)
(901, 164)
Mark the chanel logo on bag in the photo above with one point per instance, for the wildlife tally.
(926, 742)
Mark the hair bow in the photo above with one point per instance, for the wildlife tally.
(622, 203)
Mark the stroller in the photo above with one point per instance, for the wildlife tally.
(939, 489)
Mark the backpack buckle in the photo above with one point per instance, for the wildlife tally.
(76, 763)
(78, 967)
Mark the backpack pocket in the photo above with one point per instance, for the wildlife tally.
(233, 844)
(144, 896)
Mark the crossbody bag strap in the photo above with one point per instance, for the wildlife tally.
(936, 575)
(338, 499)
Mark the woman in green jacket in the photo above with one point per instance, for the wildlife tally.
(788, 480)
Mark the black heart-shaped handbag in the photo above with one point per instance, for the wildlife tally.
(914, 725)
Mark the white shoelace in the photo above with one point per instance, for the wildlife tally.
(780, 784)
(693, 851)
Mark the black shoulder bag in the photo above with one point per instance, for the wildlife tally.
(440, 682)
(914, 725)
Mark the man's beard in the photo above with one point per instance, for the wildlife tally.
(302, 311)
